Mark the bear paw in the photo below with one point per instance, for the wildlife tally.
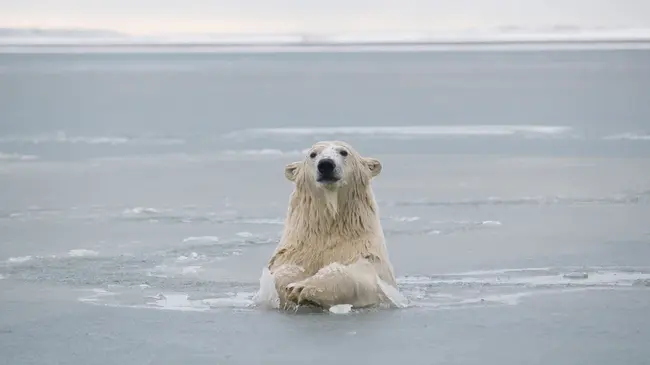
(304, 294)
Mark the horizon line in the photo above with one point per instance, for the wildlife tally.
(504, 29)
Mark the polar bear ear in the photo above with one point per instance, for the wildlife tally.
(373, 165)
(290, 171)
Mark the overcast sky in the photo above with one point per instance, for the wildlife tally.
(261, 16)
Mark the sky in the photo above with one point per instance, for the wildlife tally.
(318, 16)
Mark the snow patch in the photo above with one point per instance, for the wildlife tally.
(16, 157)
(201, 239)
(82, 253)
(19, 259)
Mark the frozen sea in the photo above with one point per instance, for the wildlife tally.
(141, 194)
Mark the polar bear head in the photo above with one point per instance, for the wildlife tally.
(332, 187)
(333, 176)
(332, 165)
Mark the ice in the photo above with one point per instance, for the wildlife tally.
(63, 137)
(290, 40)
(177, 301)
(202, 239)
(97, 294)
(532, 278)
(341, 309)
(405, 219)
(141, 210)
(277, 221)
(82, 253)
(393, 294)
(491, 223)
(239, 300)
(409, 131)
(629, 137)
(193, 256)
(19, 259)
(576, 275)
(190, 270)
(262, 152)
(267, 295)
(16, 157)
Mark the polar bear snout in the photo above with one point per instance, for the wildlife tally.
(326, 166)
(327, 171)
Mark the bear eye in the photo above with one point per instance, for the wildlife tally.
(343, 153)
(312, 155)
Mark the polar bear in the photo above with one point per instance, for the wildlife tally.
(332, 250)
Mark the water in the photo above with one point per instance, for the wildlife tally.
(143, 193)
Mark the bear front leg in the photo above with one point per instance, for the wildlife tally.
(285, 275)
(354, 284)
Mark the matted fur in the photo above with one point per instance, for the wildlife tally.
(332, 241)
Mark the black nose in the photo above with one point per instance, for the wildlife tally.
(326, 166)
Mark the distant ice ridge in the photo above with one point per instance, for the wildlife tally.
(623, 198)
(628, 137)
(264, 152)
(441, 228)
(573, 34)
(487, 35)
(16, 157)
(408, 131)
(63, 137)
